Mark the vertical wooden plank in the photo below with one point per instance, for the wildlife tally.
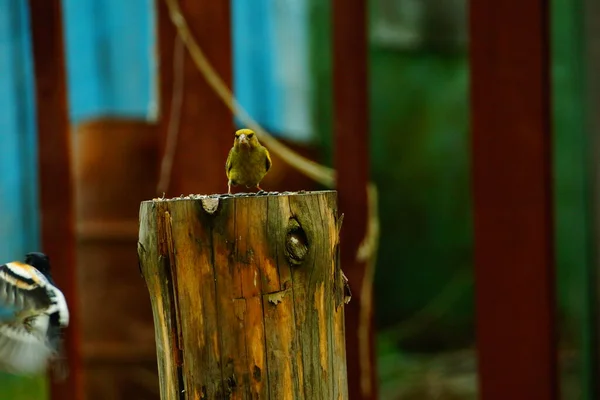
(513, 207)
(54, 157)
(351, 132)
(205, 124)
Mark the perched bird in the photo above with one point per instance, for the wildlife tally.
(33, 313)
(248, 161)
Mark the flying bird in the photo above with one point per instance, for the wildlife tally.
(33, 313)
(248, 161)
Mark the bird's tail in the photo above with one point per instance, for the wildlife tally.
(22, 352)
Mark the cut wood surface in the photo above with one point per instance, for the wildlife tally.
(247, 295)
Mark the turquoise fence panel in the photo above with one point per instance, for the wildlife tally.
(111, 68)
(111, 61)
(271, 66)
(19, 219)
(19, 211)
(253, 61)
(292, 67)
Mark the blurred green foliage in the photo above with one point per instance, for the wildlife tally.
(419, 153)
(23, 388)
(572, 166)
(420, 161)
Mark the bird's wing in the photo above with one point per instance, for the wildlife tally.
(58, 307)
(24, 350)
(268, 161)
(229, 162)
(30, 333)
(23, 289)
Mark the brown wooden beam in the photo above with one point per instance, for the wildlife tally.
(351, 128)
(513, 206)
(55, 174)
(205, 124)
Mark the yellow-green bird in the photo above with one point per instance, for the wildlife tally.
(248, 161)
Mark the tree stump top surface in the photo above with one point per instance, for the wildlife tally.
(225, 196)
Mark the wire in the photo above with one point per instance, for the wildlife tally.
(175, 118)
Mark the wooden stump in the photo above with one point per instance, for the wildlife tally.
(247, 295)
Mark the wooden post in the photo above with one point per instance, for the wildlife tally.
(513, 205)
(247, 295)
(55, 175)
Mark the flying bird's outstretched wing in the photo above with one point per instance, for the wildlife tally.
(23, 289)
(32, 313)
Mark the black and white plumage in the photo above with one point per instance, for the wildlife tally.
(33, 313)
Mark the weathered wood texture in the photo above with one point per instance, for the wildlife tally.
(247, 296)
(351, 128)
(55, 175)
(512, 196)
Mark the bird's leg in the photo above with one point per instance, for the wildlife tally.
(229, 187)
(259, 189)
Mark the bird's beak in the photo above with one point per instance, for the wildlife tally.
(243, 139)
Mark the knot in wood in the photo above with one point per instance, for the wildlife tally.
(296, 243)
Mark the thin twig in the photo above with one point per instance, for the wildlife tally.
(175, 118)
(367, 252)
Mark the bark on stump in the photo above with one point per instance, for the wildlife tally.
(247, 295)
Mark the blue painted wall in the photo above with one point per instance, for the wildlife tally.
(110, 58)
(19, 218)
(271, 66)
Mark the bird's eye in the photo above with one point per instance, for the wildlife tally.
(250, 135)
